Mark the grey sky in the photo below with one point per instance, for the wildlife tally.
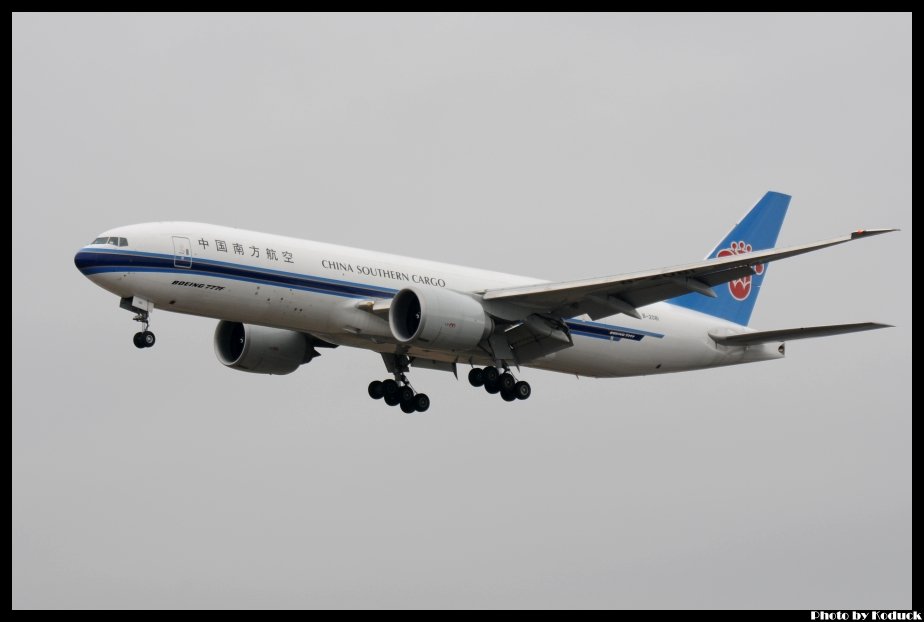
(553, 146)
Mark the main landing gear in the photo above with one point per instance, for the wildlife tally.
(399, 392)
(495, 381)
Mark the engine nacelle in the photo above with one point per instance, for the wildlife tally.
(261, 350)
(438, 319)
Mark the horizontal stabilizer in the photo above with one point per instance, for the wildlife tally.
(787, 334)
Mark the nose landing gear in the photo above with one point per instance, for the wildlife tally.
(144, 339)
(142, 310)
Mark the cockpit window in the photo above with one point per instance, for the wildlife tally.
(112, 241)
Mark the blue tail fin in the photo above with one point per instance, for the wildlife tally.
(757, 231)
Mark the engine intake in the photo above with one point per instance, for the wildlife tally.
(261, 350)
(438, 319)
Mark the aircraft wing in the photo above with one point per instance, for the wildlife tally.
(788, 334)
(605, 296)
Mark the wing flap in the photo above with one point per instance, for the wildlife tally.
(788, 334)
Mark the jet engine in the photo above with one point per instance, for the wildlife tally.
(438, 319)
(261, 350)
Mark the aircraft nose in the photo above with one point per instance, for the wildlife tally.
(84, 261)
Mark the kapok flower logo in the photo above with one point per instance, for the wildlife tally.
(740, 288)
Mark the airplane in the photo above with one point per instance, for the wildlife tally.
(279, 299)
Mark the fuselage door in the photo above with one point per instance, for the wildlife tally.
(182, 252)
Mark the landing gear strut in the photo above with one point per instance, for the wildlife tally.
(495, 380)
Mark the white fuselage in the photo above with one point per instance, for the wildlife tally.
(281, 282)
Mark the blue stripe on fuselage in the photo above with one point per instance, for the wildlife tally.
(100, 261)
